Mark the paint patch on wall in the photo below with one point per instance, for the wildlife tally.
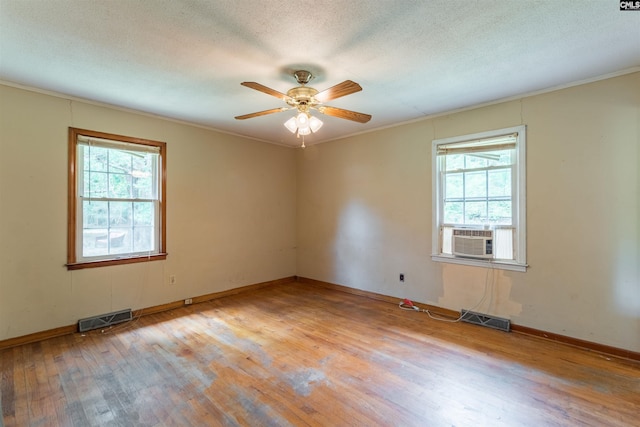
(483, 290)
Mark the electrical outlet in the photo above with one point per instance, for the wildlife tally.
(172, 279)
(188, 301)
(402, 277)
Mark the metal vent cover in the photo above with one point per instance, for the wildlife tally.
(486, 320)
(104, 320)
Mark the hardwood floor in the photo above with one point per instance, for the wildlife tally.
(296, 354)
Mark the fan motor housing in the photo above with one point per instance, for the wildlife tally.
(301, 95)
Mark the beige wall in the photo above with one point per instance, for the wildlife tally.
(364, 214)
(230, 218)
(362, 206)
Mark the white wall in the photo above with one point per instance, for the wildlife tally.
(364, 214)
(230, 215)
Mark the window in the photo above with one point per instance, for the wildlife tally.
(117, 200)
(479, 184)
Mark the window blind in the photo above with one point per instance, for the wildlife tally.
(106, 143)
(504, 142)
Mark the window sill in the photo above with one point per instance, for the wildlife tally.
(499, 265)
(115, 261)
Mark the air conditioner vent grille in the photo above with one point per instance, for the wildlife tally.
(472, 233)
(472, 243)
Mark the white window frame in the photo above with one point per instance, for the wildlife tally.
(518, 181)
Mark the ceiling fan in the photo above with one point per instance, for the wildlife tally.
(304, 99)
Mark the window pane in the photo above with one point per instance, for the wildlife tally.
(94, 242)
(143, 213)
(454, 162)
(500, 183)
(95, 158)
(120, 186)
(95, 184)
(475, 184)
(499, 158)
(119, 161)
(143, 187)
(453, 186)
(95, 214)
(101, 242)
(453, 212)
(120, 214)
(473, 161)
(143, 165)
(475, 213)
(500, 212)
(143, 239)
(120, 240)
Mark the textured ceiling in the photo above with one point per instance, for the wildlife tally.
(186, 59)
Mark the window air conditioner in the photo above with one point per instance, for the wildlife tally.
(472, 243)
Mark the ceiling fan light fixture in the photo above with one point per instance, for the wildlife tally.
(315, 124)
(291, 125)
(303, 123)
(302, 120)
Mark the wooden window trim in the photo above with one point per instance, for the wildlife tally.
(72, 263)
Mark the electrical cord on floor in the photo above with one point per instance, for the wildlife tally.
(408, 305)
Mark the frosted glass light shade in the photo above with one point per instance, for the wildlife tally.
(291, 125)
(302, 120)
(315, 124)
(303, 123)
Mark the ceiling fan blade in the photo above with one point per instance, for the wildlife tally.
(345, 88)
(262, 113)
(344, 114)
(267, 90)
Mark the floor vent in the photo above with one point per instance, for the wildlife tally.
(104, 320)
(485, 320)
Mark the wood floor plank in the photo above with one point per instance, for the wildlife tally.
(301, 355)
